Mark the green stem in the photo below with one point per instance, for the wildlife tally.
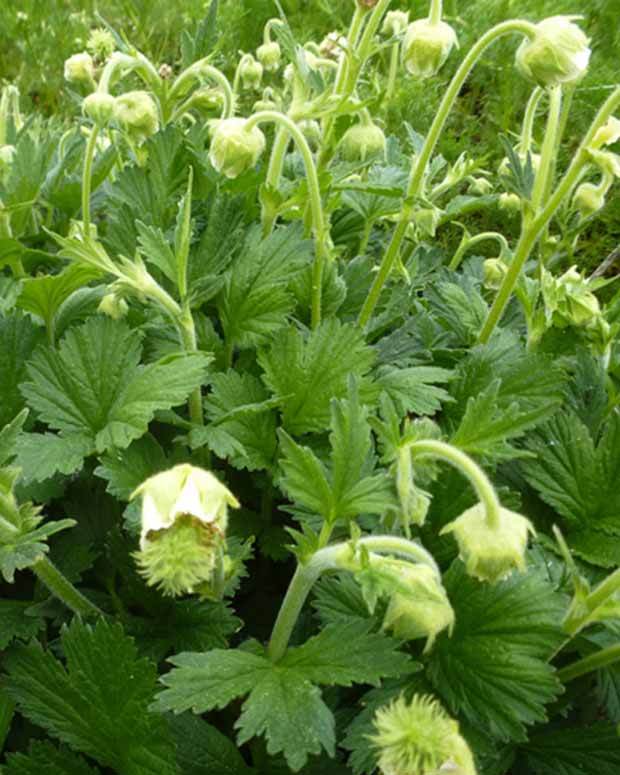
(187, 331)
(436, 11)
(316, 206)
(479, 480)
(337, 557)
(63, 589)
(549, 149)
(87, 176)
(274, 173)
(527, 130)
(204, 69)
(601, 659)
(420, 163)
(470, 243)
(394, 59)
(530, 236)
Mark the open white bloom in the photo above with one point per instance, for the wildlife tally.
(559, 53)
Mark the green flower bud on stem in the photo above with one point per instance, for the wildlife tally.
(235, 149)
(510, 203)
(100, 108)
(589, 199)
(558, 54)
(184, 520)
(269, 56)
(419, 738)
(101, 44)
(426, 47)
(363, 140)
(250, 72)
(491, 553)
(137, 113)
(114, 306)
(79, 69)
(494, 272)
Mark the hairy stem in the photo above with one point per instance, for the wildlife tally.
(475, 240)
(601, 659)
(436, 11)
(63, 589)
(87, 177)
(479, 480)
(420, 163)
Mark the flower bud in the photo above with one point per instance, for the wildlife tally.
(269, 55)
(419, 738)
(588, 199)
(235, 149)
(251, 73)
(510, 203)
(99, 107)
(395, 23)
(101, 44)
(312, 132)
(608, 134)
(427, 220)
(137, 113)
(494, 273)
(362, 140)
(491, 553)
(569, 300)
(480, 186)
(333, 45)
(426, 47)
(7, 154)
(113, 306)
(79, 69)
(559, 52)
(419, 606)
(184, 520)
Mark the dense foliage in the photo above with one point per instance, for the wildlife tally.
(309, 427)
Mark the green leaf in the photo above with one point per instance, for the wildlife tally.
(255, 301)
(242, 425)
(308, 371)
(18, 339)
(306, 478)
(494, 669)
(338, 599)
(9, 435)
(580, 750)
(44, 757)
(346, 653)
(17, 623)
(204, 750)
(156, 249)
(98, 703)
(43, 296)
(414, 390)
(94, 386)
(41, 455)
(125, 470)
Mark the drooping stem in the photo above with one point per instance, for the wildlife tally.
(87, 177)
(479, 480)
(549, 150)
(63, 589)
(274, 173)
(316, 205)
(527, 130)
(197, 71)
(597, 661)
(531, 234)
(420, 163)
(341, 556)
(475, 240)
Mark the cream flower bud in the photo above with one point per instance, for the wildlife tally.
(559, 52)
(395, 23)
(79, 69)
(113, 306)
(269, 55)
(251, 72)
(99, 107)
(607, 134)
(510, 203)
(491, 553)
(235, 149)
(362, 141)
(419, 606)
(480, 186)
(494, 273)
(569, 300)
(419, 738)
(137, 113)
(184, 520)
(312, 131)
(588, 199)
(426, 47)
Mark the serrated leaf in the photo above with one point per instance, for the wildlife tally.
(18, 339)
(41, 455)
(414, 390)
(204, 750)
(125, 470)
(16, 622)
(579, 750)
(308, 371)
(157, 250)
(94, 386)
(9, 435)
(494, 669)
(44, 757)
(97, 704)
(255, 301)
